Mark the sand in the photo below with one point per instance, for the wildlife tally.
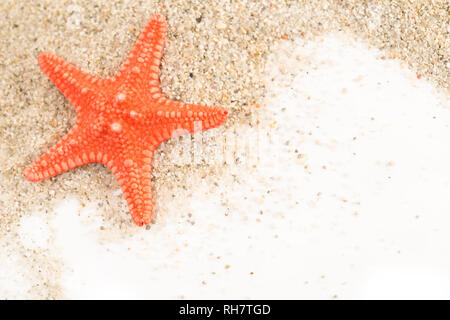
(216, 53)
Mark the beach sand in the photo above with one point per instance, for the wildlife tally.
(220, 219)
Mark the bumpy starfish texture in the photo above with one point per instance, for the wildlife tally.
(121, 120)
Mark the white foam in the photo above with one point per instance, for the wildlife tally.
(34, 232)
(14, 283)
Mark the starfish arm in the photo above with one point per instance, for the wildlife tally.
(177, 118)
(200, 117)
(134, 176)
(79, 87)
(144, 59)
(72, 151)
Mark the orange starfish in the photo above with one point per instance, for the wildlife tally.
(121, 120)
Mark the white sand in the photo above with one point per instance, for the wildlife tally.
(363, 212)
